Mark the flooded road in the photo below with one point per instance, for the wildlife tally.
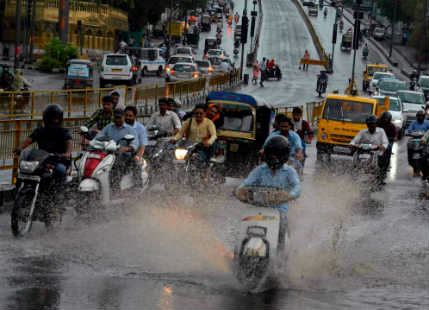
(350, 248)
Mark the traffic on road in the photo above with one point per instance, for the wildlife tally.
(304, 187)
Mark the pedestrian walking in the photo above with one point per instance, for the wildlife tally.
(306, 58)
(262, 68)
(256, 69)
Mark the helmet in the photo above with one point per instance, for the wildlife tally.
(420, 113)
(276, 152)
(386, 116)
(51, 113)
(372, 119)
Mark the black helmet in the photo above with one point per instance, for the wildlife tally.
(420, 113)
(276, 152)
(386, 116)
(51, 113)
(372, 119)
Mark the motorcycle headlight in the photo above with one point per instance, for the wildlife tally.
(180, 154)
(28, 166)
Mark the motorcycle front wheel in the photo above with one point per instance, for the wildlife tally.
(21, 219)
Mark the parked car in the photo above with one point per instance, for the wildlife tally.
(178, 58)
(204, 67)
(117, 69)
(309, 3)
(378, 33)
(182, 71)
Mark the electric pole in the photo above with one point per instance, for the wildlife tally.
(63, 15)
(358, 15)
(17, 34)
(243, 36)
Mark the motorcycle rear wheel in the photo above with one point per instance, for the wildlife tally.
(20, 215)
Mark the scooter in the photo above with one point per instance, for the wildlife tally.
(416, 151)
(365, 163)
(37, 192)
(257, 256)
(95, 169)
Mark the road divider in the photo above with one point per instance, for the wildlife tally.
(316, 41)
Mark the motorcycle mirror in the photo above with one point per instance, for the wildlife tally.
(84, 129)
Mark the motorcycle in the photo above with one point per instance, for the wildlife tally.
(257, 255)
(413, 84)
(325, 13)
(37, 192)
(365, 53)
(365, 158)
(236, 52)
(95, 170)
(321, 86)
(416, 152)
(156, 154)
(275, 73)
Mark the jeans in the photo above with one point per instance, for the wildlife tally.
(60, 172)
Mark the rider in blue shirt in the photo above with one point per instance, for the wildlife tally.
(420, 124)
(274, 173)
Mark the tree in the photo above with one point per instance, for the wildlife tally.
(405, 11)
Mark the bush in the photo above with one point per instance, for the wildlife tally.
(56, 55)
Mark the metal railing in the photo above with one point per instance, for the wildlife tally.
(83, 102)
(314, 112)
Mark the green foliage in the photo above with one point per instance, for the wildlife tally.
(405, 9)
(56, 55)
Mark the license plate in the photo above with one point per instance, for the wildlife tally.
(342, 149)
(233, 147)
(116, 70)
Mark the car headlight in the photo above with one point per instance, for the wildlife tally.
(180, 154)
(28, 166)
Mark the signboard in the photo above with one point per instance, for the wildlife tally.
(77, 71)
(175, 29)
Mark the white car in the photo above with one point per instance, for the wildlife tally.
(423, 83)
(151, 61)
(377, 77)
(184, 50)
(178, 58)
(313, 11)
(413, 101)
(390, 87)
(396, 108)
(117, 69)
(182, 71)
(216, 53)
(378, 33)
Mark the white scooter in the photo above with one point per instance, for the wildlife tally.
(95, 170)
(257, 257)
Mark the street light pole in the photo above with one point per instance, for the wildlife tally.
(17, 33)
(334, 40)
(243, 36)
(357, 15)
(395, 11)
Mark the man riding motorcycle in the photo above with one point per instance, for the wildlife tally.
(274, 173)
(101, 118)
(117, 131)
(374, 136)
(166, 120)
(295, 144)
(365, 51)
(389, 128)
(322, 78)
(420, 124)
(52, 138)
(199, 129)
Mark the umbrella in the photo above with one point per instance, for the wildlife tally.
(192, 19)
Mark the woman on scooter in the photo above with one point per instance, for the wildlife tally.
(274, 173)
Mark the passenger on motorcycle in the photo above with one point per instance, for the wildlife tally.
(389, 128)
(274, 173)
(175, 106)
(52, 138)
(323, 77)
(101, 118)
(295, 144)
(302, 128)
(420, 124)
(199, 129)
(376, 137)
(214, 114)
(166, 120)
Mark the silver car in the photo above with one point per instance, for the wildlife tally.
(413, 101)
(182, 71)
(204, 67)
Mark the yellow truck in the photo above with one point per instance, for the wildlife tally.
(341, 119)
(369, 73)
(175, 28)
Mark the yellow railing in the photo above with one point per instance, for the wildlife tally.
(82, 102)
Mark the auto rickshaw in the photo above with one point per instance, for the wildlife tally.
(247, 123)
(346, 42)
(78, 74)
(370, 69)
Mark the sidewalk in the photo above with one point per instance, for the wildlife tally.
(403, 57)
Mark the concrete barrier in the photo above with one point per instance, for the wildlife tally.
(314, 36)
